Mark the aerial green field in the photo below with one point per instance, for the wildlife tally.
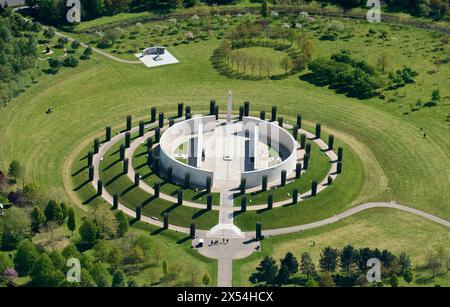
(150, 177)
(375, 228)
(393, 150)
(384, 138)
(129, 195)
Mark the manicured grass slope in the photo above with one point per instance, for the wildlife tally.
(115, 181)
(178, 253)
(334, 199)
(376, 228)
(318, 168)
(150, 177)
(398, 163)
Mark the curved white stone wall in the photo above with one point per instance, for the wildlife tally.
(174, 137)
(278, 137)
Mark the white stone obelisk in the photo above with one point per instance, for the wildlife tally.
(230, 107)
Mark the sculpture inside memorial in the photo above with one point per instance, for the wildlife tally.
(156, 51)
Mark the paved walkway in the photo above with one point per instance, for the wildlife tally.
(84, 45)
(109, 198)
(225, 251)
(321, 186)
(226, 228)
(242, 248)
(238, 248)
(352, 211)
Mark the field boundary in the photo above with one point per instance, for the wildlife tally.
(283, 9)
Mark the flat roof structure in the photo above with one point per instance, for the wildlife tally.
(154, 60)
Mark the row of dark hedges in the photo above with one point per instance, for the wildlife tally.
(282, 9)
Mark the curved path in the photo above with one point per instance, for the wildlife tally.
(241, 248)
(323, 146)
(103, 53)
(108, 197)
(236, 248)
(84, 45)
(352, 211)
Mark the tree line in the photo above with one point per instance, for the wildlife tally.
(55, 11)
(356, 77)
(298, 46)
(436, 9)
(245, 62)
(344, 267)
(18, 45)
(27, 213)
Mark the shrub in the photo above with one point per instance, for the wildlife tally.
(70, 62)
(408, 276)
(394, 281)
(63, 40)
(54, 63)
(16, 227)
(76, 44)
(88, 51)
(104, 43)
(25, 258)
(89, 231)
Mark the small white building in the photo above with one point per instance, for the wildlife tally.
(156, 56)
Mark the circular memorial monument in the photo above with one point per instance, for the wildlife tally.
(227, 152)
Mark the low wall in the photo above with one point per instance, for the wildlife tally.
(278, 137)
(174, 137)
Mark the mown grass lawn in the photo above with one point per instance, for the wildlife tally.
(176, 250)
(375, 228)
(334, 199)
(115, 181)
(318, 168)
(384, 138)
(150, 177)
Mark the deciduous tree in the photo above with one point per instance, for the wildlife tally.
(348, 257)
(16, 227)
(25, 258)
(37, 218)
(44, 273)
(307, 266)
(286, 63)
(54, 212)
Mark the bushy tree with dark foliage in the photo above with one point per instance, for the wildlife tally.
(18, 52)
